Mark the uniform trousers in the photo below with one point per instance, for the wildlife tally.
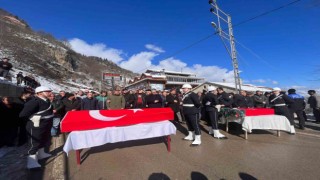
(212, 118)
(284, 111)
(193, 123)
(39, 137)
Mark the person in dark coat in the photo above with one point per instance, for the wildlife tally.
(20, 78)
(223, 98)
(267, 95)
(297, 106)
(71, 103)
(173, 102)
(280, 103)
(9, 121)
(259, 100)
(314, 101)
(163, 96)
(191, 105)
(249, 99)
(130, 99)
(153, 100)
(40, 114)
(89, 102)
(5, 67)
(210, 101)
(140, 99)
(240, 100)
(22, 123)
(58, 114)
(61, 96)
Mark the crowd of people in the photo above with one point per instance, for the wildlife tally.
(27, 80)
(34, 117)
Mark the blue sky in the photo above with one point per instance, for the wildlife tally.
(279, 49)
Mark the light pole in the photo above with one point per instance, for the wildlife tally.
(224, 23)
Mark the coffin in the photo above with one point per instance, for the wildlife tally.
(96, 119)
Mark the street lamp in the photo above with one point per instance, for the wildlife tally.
(213, 24)
(224, 19)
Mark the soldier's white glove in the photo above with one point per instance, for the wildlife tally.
(218, 107)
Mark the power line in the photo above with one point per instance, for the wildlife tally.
(265, 13)
(265, 62)
(238, 24)
(185, 48)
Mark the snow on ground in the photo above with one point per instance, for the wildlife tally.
(56, 87)
(40, 40)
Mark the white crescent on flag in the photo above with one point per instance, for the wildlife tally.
(96, 115)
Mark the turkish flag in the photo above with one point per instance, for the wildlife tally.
(95, 119)
(258, 111)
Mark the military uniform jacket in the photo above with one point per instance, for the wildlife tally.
(191, 103)
(209, 101)
(280, 100)
(36, 105)
(225, 100)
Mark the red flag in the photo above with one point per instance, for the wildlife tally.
(95, 119)
(258, 111)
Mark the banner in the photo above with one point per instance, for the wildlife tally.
(108, 76)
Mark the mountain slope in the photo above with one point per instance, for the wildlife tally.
(41, 55)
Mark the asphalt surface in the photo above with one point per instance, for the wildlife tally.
(13, 163)
(262, 156)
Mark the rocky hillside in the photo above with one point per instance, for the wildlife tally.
(41, 55)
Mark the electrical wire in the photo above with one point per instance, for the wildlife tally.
(264, 61)
(238, 24)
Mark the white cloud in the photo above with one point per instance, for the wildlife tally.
(141, 61)
(154, 48)
(96, 49)
(259, 81)
(263, 81)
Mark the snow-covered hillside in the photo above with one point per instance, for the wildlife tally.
(68, 86)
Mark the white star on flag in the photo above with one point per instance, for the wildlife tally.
(135, 110)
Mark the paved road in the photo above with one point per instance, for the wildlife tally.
(262, 156)
(13, 162)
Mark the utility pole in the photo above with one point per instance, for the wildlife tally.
(100, 87)
(224, 23)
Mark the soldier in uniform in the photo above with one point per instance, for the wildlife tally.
(280, 103)
(209, 102)
(191, 106)
(40, 114)
(223, 98)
